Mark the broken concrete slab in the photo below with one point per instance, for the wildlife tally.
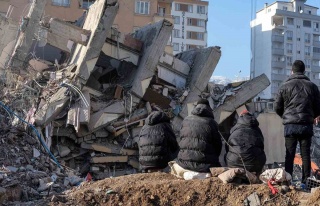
(105, 116)
(8, 32)
(202, 63)
(67, 31)
(248, 91)
(155, 38)
(171, 76)
(98, 22)
(156, 98)
(26, 38)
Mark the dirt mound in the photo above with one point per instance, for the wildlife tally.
(314, 198)
(166, 189)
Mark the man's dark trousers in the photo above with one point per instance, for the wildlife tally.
(291, 145)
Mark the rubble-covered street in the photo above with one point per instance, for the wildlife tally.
(69, 128)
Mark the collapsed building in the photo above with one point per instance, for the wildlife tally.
(90, 104)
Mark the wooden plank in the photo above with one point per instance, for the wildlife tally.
(109, 148)
(109, 159)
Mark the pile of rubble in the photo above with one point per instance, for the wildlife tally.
(90, 105)
(27, 173)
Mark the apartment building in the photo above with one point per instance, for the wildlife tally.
(281, 33)
(190, 25)
(67, 10)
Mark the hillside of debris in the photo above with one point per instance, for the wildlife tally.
(166, 189)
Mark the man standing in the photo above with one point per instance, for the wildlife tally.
(298, 103)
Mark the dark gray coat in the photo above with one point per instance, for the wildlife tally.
(246, 140)
(298, 100)
(157, 142)
(200, 143)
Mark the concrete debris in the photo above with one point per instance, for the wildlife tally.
(90, 104)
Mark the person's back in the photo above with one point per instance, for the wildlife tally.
(246, 140)
(157, 142)
(298, 103)
(200, 142)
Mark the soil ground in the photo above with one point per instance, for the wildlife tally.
(166, 189)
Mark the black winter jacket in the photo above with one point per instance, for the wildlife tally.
(200, 143)
(246, 140)
(157, 142)
(298, 100)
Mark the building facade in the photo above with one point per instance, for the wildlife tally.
(281, 33)
(188, 16)
(190, 25)
(67, 10)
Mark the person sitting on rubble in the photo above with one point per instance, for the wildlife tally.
(246, 140)
(200, 141)
(157, 143)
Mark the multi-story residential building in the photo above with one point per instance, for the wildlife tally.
(134, 14)
(190, 25)
(188, 16)
(67, 10)
(281, 33)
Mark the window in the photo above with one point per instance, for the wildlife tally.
(285, 8)
(177, 20)
(162, 11)
(65, 3)
(306, 23)
(196, 22)
(309, 12)
(289, 48)
(175, 46)
(290, 21)
(315, 26)
(195, 35)
(289, 35)
(176, 33)
(307, 63)
(184, 7)
(86, 4)
(191, 46)
(307, 38)
(142, 7)
(298, 39)
(316, 50)
(201, 9)
(289, 61)
(316, 63)
(307, 50)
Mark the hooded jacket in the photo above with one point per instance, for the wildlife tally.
(157, 142)
(200, 143)
(298, 100)
(246, 140)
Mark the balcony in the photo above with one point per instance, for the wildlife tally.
(316, 43)
(277, 51)
(315, 69)
(316, 56)
(278, 77)
(277, 38)
(278, 64)
(160, 16)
